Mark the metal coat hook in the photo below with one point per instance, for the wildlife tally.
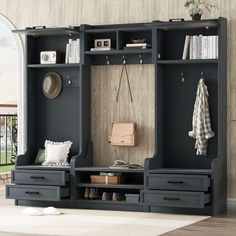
(108, 62)
(182, 77)
(140, 59)
(69, 80)
(124, 61)
(202, 76)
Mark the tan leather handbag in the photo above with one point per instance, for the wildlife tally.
(124, 134)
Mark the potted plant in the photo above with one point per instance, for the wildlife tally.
(196, 7)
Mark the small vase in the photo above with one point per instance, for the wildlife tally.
(196, 16)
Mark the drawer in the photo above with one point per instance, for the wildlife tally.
(40, 177)
(176, 199)
(178, 182)
(39, 193)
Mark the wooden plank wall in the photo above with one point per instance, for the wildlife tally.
(23, 13)
(105, 81)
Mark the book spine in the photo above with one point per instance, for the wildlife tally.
(136, 45)
(217, 46)
(186, 47)
(209, 47)
(77, 52)
(200, 47)
(204, 47)
(70, 51)
(191, 48)
(195, 47)
(67, 52)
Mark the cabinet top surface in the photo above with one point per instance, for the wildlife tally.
(107, 169)
(43, 31)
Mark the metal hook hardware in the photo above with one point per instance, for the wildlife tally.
(124, 61)
(69, 80)
(108, 62)
(140, 59)
(202, 76)
(182, 77)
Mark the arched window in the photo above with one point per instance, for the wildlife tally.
(12, 84)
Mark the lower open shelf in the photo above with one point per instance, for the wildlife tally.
(108, 202)
(117, 186)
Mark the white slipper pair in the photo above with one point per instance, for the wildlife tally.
(30, 211)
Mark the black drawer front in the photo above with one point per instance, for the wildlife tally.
(178, 182)
(176, 199)
(40, 177)
(40, 193)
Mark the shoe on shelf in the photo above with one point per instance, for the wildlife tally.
(106, 196)
(93, 194)
(86, 193)
(117, 197)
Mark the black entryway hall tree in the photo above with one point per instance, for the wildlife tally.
(175, 179)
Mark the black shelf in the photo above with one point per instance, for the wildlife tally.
(182, 25)
(109, 202)
(48, 31)
(59, 65)
(114, 52)
(41, 167)
(180, 171)
(117, 186)
(193, 61)
(107, 169)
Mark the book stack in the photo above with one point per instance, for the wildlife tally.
(200, 47)
(72, 51)
(137, 46)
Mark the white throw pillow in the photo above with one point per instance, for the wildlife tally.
(56, 153)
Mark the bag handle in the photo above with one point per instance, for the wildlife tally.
(127, 78)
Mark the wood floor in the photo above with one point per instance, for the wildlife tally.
(222, 225)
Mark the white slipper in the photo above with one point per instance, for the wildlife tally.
(51, 211)
(30, 211)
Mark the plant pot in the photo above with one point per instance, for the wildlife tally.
(196, 16)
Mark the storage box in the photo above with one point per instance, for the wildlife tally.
(133, 198)
(98, 179)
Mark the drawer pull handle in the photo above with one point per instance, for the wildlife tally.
(37, 177)
(171, 198)
(175, 182)
(28, 192)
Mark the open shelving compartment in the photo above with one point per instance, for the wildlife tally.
(175, 91)
(120, 35)
(133, 184)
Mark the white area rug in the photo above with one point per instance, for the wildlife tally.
(76, 222)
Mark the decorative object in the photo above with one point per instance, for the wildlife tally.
(56, 153)
(138, 40)
(49, 57)
(124, 134)
(196, 7)
(51, 85)
(102, 43)
(40, 158)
